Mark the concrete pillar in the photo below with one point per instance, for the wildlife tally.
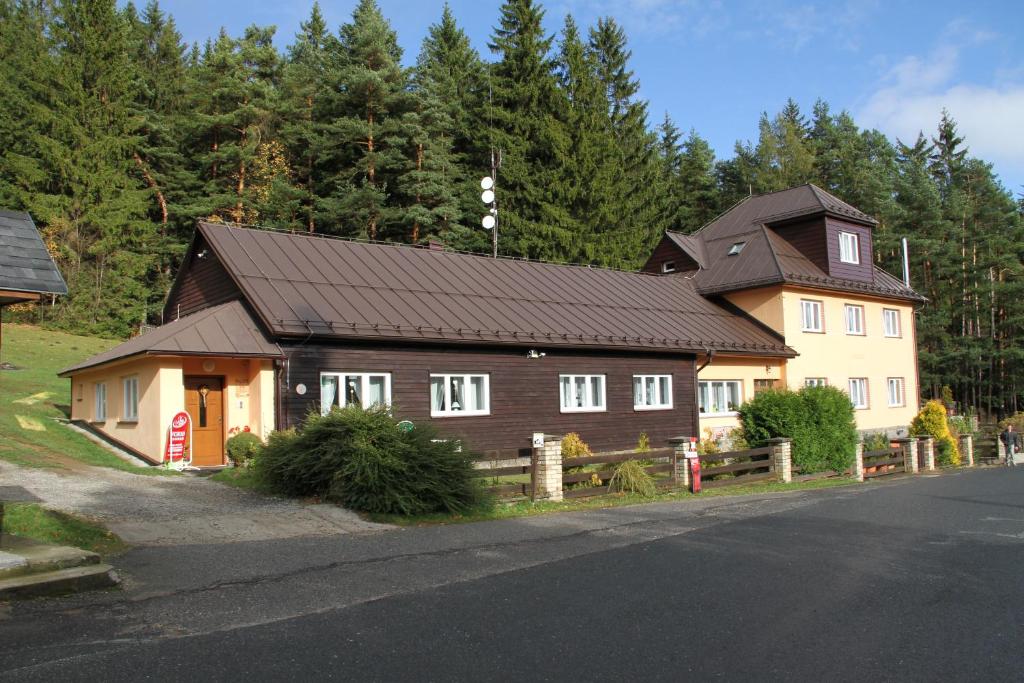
(926, 445)
(681, 446)
(858, 462)
(909, 448)
(782, 460)
(548, 484)
(967, 450)
(1000, 450)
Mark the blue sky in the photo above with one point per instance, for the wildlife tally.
(714, 66)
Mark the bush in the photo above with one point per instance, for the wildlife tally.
(819, 420)
(931, 421)
(242, 448)
(630, 477)
(944, 452)
(643, 444)
(360, 459)
(1017, 420)
(876, 441)
(574, 447)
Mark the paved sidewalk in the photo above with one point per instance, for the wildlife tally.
(146, 510)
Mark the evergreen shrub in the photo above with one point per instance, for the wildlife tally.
(931, 421)
(360, 459)
(819, 420)
(242, 448)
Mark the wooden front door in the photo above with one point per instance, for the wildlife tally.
(204, 401)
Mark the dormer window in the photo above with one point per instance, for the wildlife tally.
(668, 267)
(736, 248)
(849, 247)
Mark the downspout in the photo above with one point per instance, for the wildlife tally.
(709, 354)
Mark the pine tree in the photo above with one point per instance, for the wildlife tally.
(701, 200)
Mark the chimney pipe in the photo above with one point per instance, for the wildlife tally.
(906, 264)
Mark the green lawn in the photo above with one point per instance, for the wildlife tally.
(34, 521)
(32, 396)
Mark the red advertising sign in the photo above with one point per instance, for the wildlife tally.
(177, 437)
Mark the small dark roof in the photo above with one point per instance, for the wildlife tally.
(225, 330)
(767, 258)
(302, 285)
(25, 265)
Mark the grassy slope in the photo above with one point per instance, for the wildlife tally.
(40, 354)
(34, 521)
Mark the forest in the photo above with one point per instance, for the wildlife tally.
(117, 136)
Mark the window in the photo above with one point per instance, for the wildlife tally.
(897, 399)
(100, 409)
(668, 267)
(719, 397)
(810, 314)
(849, 247)
(131, 399)
(765, 385)
(891, 322)
(736, 248)
(854, 319)
(460, 395)
(859, 392)
(581, 393)
(366, 389)
(652, 392)
(815, 382)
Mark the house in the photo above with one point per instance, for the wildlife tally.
(799, 261)
(27, 271)
(266, 327)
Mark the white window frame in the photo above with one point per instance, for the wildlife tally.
(901, 391)
(858, 317)
(99, 408)
(364, 387)
(896, 330)
(849, 247)
(588, 403)
(710, 387)
(668, 267)
(130, 396)
(817, 307)
(815, 381)
(858, 381)
(466, 381)
(657, 405)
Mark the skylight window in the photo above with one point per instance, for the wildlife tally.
(736, 248)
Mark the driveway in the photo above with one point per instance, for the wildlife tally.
(187, 509)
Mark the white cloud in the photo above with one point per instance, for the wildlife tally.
(913, 92)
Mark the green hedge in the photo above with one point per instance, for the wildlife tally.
(362, 460)
(819, 420)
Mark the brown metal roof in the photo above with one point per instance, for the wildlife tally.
(225, 330)
(304, 285)
(25, 264)
(766, 257)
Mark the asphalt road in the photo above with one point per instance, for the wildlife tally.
(911, 579)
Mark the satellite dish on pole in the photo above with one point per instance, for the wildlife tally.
(487, 183)
(488, 222)
(487, 196)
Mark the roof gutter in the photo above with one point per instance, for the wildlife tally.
(709, 355)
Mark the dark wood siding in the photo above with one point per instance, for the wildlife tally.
(524, 392)
(861, 272)
(808, 237)
(203, 283)
(667, 251)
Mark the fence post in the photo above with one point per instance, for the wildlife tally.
(909, 447)
(681, 472)
(927, 446)
(1000, 450)
(548, 477)
(858, 462)
(967, 450)
(781, 451)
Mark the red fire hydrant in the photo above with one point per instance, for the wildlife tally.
(694, 472)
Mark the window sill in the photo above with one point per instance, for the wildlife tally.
(893, 336)
(129, 421)
(729, 414)
(583, 410)
(814, 331)
(98, 421)
(856, 334)
(462, 413)
(647, 408)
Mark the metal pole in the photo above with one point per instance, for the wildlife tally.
(495, 165)
(906, 264)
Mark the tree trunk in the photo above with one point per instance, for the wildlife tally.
(153, 186)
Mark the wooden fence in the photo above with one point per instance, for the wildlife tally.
(579, 470)
(882, 462)
(747, 466)
(507, 481)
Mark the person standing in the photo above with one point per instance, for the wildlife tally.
(1011, 444)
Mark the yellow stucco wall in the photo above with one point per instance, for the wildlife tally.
(248, 397)
(744, 370)
(834, 354)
